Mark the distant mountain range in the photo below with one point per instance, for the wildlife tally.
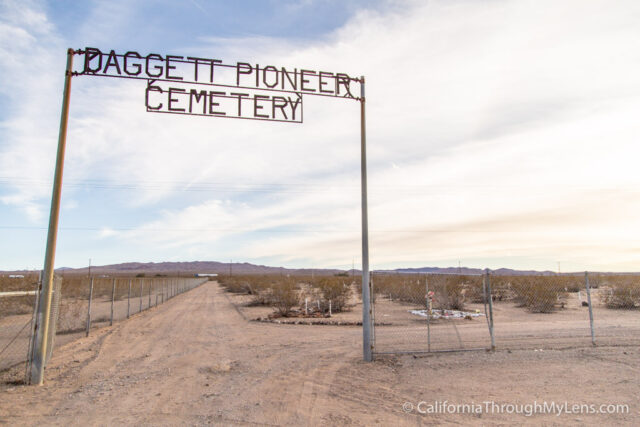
(465, 270)
(193, 267)
(247, 268)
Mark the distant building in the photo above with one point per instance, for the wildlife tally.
(206, 275)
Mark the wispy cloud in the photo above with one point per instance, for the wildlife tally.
(498, 132)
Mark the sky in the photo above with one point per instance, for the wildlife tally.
(499, 134)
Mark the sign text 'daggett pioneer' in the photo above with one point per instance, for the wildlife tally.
(177, 84)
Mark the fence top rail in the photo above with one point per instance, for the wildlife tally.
(17, 293)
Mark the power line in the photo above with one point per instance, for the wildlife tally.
(185, 186)
(250, 230)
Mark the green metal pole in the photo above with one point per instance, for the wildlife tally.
(42, 329)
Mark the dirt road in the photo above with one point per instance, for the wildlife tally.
(196, 360)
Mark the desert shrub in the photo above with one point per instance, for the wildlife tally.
(595, 280)
(413, 291)
(449, 291)
(539, 294)
(285, 295)
(19, 304)
(261, 291)
(500, 288)
(571, 283)
(28, 282)
(623, 292)
(356, 280)
(75, 286)
(16, 305)
(410, 289)
(335, 289)
(238, 284)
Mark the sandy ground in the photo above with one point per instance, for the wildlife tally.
(196, 360)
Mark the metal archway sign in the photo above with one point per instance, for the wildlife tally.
(202, 87)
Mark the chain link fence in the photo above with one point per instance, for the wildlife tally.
(17, 303)
(418, 313)
(453, 312)
(79, 305)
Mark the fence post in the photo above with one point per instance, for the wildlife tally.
(129, 301)
(426, 288)
(490, 298)
(141, 292)
(33, 331)
(113, 296)
(150, 285)
(89, 310)
(586, 282)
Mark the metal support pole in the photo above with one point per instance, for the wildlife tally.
(113, 297)
(32, 338)
(366, 285)
(150, 284)
(42, 331)
(129, 301)
(141, 291)
(89, 310)
(593, 334)
(490, 298)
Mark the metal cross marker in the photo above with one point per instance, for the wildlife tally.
(250, 92)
